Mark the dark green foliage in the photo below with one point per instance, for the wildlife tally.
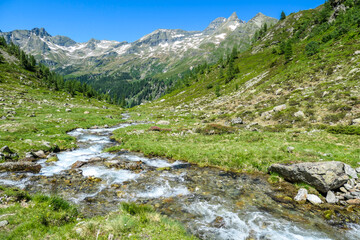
(282, 16)
(288, 52)
(49, 79)
(2, 59)
(260, 33)
(217, 91)
(134, 209)
(348, 130)
(312, 48)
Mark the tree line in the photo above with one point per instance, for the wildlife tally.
(50, 79)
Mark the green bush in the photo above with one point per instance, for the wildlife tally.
(312, 48)
(134, 209)
(348, 130)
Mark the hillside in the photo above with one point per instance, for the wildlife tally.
(36, 116)
(296, 87)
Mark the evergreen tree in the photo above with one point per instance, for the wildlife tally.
(288, 51)
(282, 16)
(230, 73)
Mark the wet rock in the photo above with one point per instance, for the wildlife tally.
(3, 223)
(313, 199)
(350, 171)
(218, 222)
(52, 158)
(331, 198)
(40, 154)
(301, 195)
(324, 176)
(6, 154)
(353, 201)
(20, 167)
(95, 159)
(29, 157)
(77, 164)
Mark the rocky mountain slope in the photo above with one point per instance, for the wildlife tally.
(156, 52)
(303, 71)
(146, 68)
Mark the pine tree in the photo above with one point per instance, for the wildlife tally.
(282, 16)
(288, 52)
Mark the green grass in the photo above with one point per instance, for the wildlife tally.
(242, 151)
(22, 93)
(43, 217)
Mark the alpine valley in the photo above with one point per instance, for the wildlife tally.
(160, 57)
(245, 130)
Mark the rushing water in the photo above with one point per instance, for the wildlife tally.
(212, 204)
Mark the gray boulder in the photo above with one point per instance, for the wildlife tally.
(331, 198)
(20, 167)
(324, 176)
(237, 121)
(350, 171)
(301, 195)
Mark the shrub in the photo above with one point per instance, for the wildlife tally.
(312, 48)
(348, 130)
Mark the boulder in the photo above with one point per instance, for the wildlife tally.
(6, 149)
(324, 176)
(20, 167)
(356, 121)
(279, 108)
(330, 197)
(77, 164)
(6, 154)
(350, 171)
(68, 110)
(290, 149)
(3, 223)
(237, 121)
(52, 158)
(163, 122)
(29, 157)
(313, 199)
(40, 154)
(353, 201)
(299, 114)
(301, 195)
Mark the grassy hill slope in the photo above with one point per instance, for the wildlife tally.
(296, 93)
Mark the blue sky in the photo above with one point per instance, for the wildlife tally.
(129, 20)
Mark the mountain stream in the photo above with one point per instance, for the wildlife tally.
(211, 203)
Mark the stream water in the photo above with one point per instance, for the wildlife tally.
(211, 203)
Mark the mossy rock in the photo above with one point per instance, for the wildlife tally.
(52, 159)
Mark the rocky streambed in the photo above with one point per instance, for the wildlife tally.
(212, 204)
